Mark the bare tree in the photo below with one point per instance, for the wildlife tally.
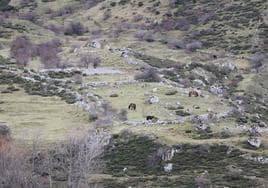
(83, 151)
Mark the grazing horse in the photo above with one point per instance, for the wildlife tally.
(132, 106)
(151, 118)
(193, 93)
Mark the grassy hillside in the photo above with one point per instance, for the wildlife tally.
(79, 64)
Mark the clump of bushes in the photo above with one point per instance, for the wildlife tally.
(107, 14)
(22, 50)
(48, 53)
(149, 75)
(4, 4)
(75, 28)
(30, 16)
(145, 36)
(193, 46)
(90, 59)
(256, 60)
(57, 29)
(174, 24)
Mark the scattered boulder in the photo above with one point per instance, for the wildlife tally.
(168, 167)
(171, 92)
(154, 100)
(4, 130)
(205, 76)
(182, 113)
(10, 89)
(114, 95)
(174, 106)
(126, 52)
(198, 83)
(227, 66)
(233, 172)
(201, 127)
(255, 131)
(94, 44)
(226, 132)
(216, 90)
(168, 154)
(255, 142)
(203, 180)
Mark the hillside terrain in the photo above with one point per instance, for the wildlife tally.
(128, 93)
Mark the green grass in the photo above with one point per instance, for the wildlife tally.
(49, 118)
(136, 94)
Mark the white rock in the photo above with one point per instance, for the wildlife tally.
(255, 142)
(154, 100)
(155, 89)
(168, 167)
(95, 44)
(202, 127)
(216, 90)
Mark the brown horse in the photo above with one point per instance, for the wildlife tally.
(193, 93)
(132, 106)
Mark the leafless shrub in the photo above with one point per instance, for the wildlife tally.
(96, 31)
(65, 11)
(107, 14)
(82, 153)
(206, 17)
(22, 49)
(173, 24)
(77, 78)
(256, 60)
(1, 46)
(58, 29)
(149, 75)
(173, 43)
(103, 122)
(87, 4)
(203, 181)
(145, 35)
(2, 19)
(48, 53)
(193, 46)
(30, 16)
(75, 28)
(16, 169)
(90, 59)
(137, 18)
(122, 115)
(73, 160)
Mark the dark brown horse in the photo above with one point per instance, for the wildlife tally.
(132, 106)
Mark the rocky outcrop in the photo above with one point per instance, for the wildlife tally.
(254, 142)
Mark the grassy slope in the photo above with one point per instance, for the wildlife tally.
(54, 122)
(47, 118)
